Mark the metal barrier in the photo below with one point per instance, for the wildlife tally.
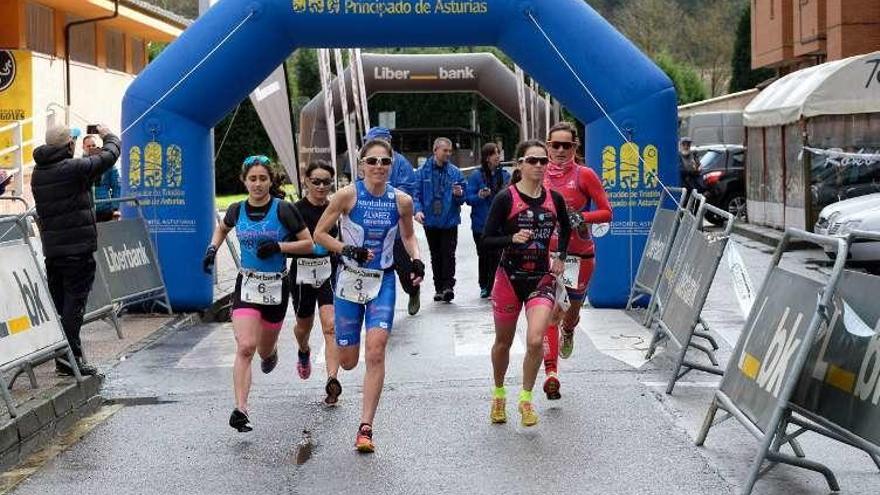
(30, 328)
(663, 229)
(132, 272)
(688, 287)
(773, 381)
(20, 160)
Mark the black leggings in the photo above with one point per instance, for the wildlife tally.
(488, 262)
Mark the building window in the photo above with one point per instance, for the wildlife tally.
(137, 55)
(82, 42)
(40, 28)
(114, 43)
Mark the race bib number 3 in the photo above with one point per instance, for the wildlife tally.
(313, 271)
(262, 288)
(572, 272)
(358, 285)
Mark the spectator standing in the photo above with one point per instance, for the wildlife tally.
(482, 187)
(439, 194)
(688, 166)
(107, 187)
(61, 186)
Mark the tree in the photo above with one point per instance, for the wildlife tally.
(246, 137)
(742, 75)
(686, 80)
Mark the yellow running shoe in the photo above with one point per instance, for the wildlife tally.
(529, 415)
(499, 411)
(364, 441)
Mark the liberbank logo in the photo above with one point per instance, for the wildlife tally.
(443, 74)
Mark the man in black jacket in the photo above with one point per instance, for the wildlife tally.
(62, 191)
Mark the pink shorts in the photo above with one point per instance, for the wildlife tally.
(256, 314)
(509, 295)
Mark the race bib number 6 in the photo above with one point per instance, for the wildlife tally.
(262, 288)
(358, 285)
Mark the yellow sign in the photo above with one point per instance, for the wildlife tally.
(629, 175)
(16, 100)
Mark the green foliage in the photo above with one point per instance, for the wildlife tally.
(246, 137)
(743, 77)
(686, 80)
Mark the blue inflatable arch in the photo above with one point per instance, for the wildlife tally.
(170, 109)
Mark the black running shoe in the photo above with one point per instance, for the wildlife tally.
(334, 390)
(448, 295)
(240, 421)
(438, 297)
(268, 364)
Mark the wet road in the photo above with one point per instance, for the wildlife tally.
(613, 432)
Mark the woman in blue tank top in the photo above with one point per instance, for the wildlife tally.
(267, 228)
(370, 212)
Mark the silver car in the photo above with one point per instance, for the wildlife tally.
(860, 213)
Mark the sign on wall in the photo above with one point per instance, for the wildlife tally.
(16, 98)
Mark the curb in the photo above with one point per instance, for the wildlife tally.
(765, 235)
(31, 431)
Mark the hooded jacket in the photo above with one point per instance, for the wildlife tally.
(434, 187)
(62, 188)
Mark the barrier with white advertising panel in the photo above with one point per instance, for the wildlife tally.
(806, 358)
(30, 329)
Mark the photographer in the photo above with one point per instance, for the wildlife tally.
(62, 186)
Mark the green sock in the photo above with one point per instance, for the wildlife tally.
(525, 396)
(499, 393)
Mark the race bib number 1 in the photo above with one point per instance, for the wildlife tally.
(262, 288)
(572, 272)
(313, 271)
(358, 285)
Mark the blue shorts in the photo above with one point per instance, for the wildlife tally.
(379, 313)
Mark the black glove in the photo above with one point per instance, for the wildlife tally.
(575, 219)
(208, 260)
(418, 269)
(267, 248)
(359, 254)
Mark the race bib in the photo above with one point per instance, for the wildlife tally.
(358, 285)
(262, 288)
(572, 272)
(562, 295)
(313, 271)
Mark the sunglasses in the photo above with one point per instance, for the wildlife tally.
(255, 160)
(565, 145)
(384, 161)
(535, 160)
(321, 182)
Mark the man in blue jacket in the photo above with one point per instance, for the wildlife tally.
(482, 187)
(438, 197)
(402, 177)
(107, 187)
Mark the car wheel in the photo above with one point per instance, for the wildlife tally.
(736, 206)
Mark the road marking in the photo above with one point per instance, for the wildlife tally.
(682, 384)
(477, 340)
(615, 334)
(216, 350)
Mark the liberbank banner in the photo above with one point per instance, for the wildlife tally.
(127, 259)
(16, 99)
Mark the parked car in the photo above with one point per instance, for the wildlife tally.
(841, 218)
(722, 178)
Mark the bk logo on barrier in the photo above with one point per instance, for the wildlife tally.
(34, 303)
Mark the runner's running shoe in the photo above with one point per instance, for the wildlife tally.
(529, 415)
(567, 345)
(268, 364)
(498, 415)
(551, 386)
(333, 390)
(364, 441)
(304, 364)
(240, 421)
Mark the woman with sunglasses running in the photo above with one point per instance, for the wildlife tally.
(521, 221)
(371, 213)
(586, 204)
(310, 280)
(267, 228)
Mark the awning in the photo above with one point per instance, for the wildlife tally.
(841, 87)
